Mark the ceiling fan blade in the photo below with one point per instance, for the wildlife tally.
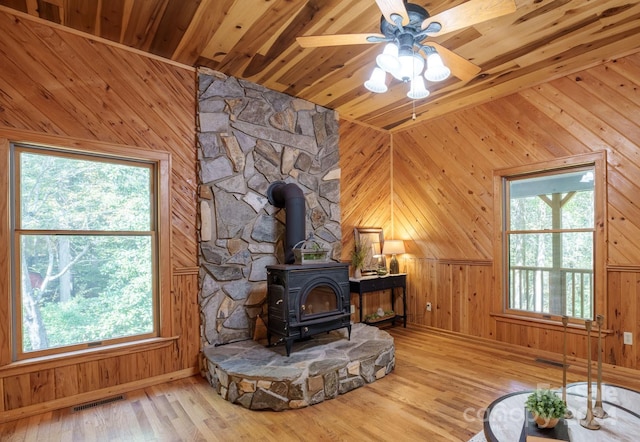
(469, 14)
(389, 7)
(460, 66)
(317, 41)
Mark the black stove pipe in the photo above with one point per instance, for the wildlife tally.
(290, 197)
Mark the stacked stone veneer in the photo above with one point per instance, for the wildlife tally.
(250, 137)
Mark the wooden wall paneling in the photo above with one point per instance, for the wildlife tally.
(141, 364)
(460, 178)
(187, 319)
(444, 300)
(527, 147)
(17, 391)
(624, 232)
(365, 192)
(412, 216)
(66, 381)
(111, 372)
(439, 155)
(458, 292)
(89, 376)
(420, 286)
(547, 136)
(42, 386)
(613, 115)
(630, 68)
(624, 316)
(16, 70)
(492, 138)
(478, 298)
(572, 132)
(625, 112)
(420, 204)
(55, 82)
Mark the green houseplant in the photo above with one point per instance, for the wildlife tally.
(546, 407)
(357, 259)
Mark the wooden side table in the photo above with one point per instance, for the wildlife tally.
(365, 285)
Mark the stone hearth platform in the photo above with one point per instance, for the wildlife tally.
(258, 377)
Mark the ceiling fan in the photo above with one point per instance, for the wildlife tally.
(405, 27)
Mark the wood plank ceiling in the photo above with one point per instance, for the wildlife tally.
(255, 40)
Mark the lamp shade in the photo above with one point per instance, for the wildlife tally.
(411, 65)
(436, 70)
(393, 247)
(417, 89)
(388, 60)
(377, 81)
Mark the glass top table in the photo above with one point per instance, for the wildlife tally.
(505, 417)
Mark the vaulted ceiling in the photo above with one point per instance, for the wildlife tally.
(256, 40)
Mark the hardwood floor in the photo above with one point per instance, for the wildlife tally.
(438, 391)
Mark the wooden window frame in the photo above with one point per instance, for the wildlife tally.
(161, 162)
(599, 161)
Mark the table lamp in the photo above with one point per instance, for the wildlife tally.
(393, 247)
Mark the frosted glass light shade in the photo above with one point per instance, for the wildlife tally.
(417, 90)
(388, 60)
(411, 65)
(436, 70)
(377, 82)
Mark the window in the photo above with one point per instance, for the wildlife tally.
(551, 245)
(85, 235)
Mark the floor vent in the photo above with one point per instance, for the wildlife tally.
(550, 362)
(94, 404)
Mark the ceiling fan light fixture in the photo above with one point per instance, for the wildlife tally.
(436, 70)
(388, 60)
(418, 90)
(377, 82)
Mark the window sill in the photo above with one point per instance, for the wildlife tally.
(85, 355)
(576, 329)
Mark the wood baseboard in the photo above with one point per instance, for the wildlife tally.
(70, 401)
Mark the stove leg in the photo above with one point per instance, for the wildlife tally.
(288, 344)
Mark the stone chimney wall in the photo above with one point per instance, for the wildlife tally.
(250, 136)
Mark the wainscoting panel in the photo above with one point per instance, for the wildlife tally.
(42, 386)
(462, 300)
(459, 293)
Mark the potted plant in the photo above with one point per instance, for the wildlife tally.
(546, 407)
(357, 260)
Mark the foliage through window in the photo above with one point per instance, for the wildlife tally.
(84, 249)
(549, 242)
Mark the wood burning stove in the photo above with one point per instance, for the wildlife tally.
(304, 300)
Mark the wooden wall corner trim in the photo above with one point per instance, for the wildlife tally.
(70, 401)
